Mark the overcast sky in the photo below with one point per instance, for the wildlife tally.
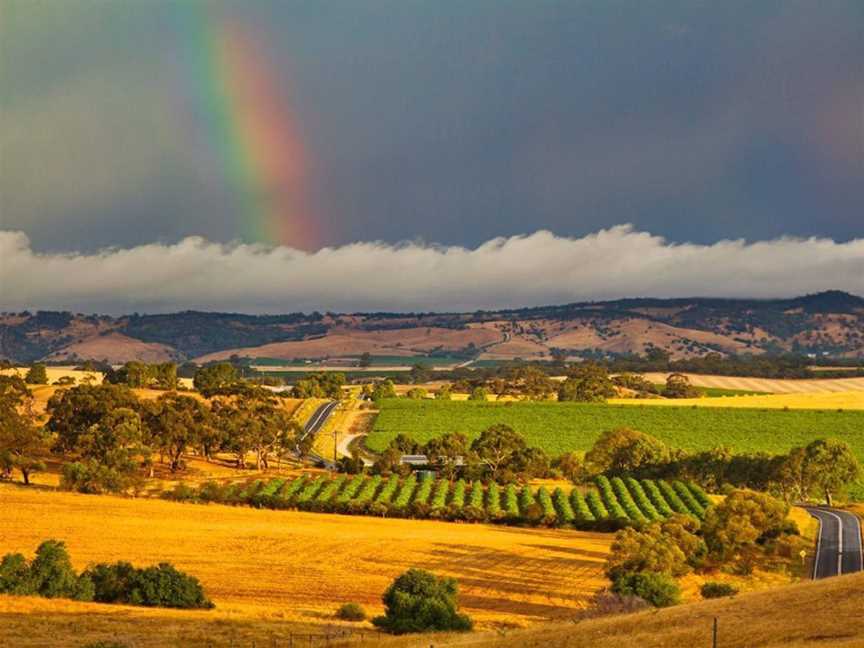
(442, 122)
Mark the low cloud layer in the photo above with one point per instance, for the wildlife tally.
(530, 270)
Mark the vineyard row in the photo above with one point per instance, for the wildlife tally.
(614, 503)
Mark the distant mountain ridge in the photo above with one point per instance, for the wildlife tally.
(829, 323)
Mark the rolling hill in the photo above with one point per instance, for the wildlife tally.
(829, 324)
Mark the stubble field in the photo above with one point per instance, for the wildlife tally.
(290, 568)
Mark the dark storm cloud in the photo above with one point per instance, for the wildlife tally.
(452, 122)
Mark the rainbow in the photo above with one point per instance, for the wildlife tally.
(253, 129)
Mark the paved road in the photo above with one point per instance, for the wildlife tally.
(838, 550)
(314, 425)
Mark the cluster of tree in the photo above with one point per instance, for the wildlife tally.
(320, 385)
(37, 374)
(587, 383)
(378, 390)
(823, 468)
(141, 375)
(50, 574)
(529, 382)
(418, 601)
(22, 441)
(499, 454)
(746, 529)
(113, 436)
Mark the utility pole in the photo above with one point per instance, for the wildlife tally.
(714, 643)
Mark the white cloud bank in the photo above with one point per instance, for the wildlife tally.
(530, 270)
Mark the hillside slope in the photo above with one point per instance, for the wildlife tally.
(830, 323)
(822, 613)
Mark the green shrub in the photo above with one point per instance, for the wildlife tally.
(626, 501)
(656, 497)
(672, 498)
(424, 490)
(93, 478)
(457, 499)
(385, 495)
(659, 590)
(690, 502)
(439, 497)
(642, 500)
(352, 488)
(405, 492)
(493, 501)
(157, 586)
(418, 601)
(351, 612)
(52, 575)
(717, 590)
(181, 493)
(563, 509)
(596, 506)
(614, 508)
(511, 502)
(308, 492)
(581, 511)
(15, 575)
(475, 499)
(548, 508)
(699, 494)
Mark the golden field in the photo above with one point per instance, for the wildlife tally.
(853, 400)
(290, 567)
(771, 385)
(824, 613)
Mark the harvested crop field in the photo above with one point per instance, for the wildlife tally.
(813, 401)
(260, 564)
(770, 385)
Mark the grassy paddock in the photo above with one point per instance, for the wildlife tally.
(563, 427)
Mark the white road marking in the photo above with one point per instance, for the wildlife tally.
(818, 545)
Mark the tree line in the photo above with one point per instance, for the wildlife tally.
(115, 439)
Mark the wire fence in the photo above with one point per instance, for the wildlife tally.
(301, 640)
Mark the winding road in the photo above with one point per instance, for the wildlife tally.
(838, 549)
(314, 425)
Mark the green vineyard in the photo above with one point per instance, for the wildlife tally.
(614, 503)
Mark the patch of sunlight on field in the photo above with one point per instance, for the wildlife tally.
(56, 373)
(825, 401)
(260, 563)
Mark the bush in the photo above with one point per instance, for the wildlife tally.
(15, 575)
(659, 590)
(418, 601)
(581, 511)
(158, 586)
(93, 478)
(351, 612)
(717, 590)
(50, 574)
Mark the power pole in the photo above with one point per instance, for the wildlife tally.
(714, 643)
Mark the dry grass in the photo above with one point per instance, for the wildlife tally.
(56, 373)
(344, 341)
(774, 386)
(811, 401)
(824, 613)
(299, 567)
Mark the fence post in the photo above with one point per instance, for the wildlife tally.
(714, 643)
